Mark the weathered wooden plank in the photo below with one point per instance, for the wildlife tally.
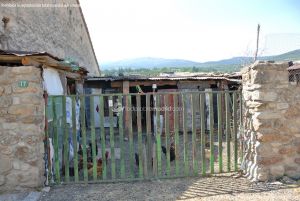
(158, 135)
(176, 130)
(112, 138)
(74, 132)
(149, 136)
(167, 132)
(83, 133)
(102, 133)
(93, 137)
(194, 140)
(55, 141)
(241, 123)
(131, 149)
(234, 96)
(140, 140)
(220, 131)
(66, 141)
(185, 135)
(211, 131)
(47, 145)
(121, 139)
(202, 119)
(227, 109)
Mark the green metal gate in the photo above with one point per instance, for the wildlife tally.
(125, 137)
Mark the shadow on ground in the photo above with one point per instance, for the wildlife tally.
(171, 189)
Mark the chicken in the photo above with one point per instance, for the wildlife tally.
(90, 152)
(99, 165)
(172, 151)
(99, 168)
(136, 156)
(90, 161)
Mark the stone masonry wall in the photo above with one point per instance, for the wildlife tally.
(21, 129)
(61, 31)
(271, 121)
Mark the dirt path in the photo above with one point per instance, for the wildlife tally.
(209, 188)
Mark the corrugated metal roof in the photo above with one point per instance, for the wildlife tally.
(160, 78)
(294, 67)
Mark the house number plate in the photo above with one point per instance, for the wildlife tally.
(23, 84)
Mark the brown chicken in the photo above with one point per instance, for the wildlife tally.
(99, 168)
(90, 165)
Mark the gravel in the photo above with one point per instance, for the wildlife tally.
(221, 187)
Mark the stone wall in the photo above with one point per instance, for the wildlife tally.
(21, 129)
(271, 121)
(60, 31)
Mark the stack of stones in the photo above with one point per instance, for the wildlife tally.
(21, 128)
(271, 122)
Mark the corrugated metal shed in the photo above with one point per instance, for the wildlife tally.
(229, 77)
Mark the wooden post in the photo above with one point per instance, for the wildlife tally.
(126, 114)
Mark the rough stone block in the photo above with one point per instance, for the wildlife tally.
(277, 171)
(282, 106)
(273, 138)
(288, 150)
(24, 70)
(5, 164)
(24, 110)
(2, 180)
(33, 99)
(4, 149)
(5, 101)
(264, 96)
(1, 91)
(269, 115)
(269, 160)
(29, 89)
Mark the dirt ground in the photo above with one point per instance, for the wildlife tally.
(224, 187)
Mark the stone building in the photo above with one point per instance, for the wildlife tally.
(25, 81)
(58, 29)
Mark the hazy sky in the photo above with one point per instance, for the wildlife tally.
(198, 30)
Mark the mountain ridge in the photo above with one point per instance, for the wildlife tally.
(153, 62)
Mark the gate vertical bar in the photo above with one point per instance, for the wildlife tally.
(102, 135)
(140, 140)
(121, 136)
(211, 130)
(235, 131)
(112, 137)
(185, 137)
(220, 130)
(227, 129)
(93, 137)
(241, 140)
(167, 131)
(194, 142)
(202, 119)
(176, 130)
(158, 135)
(66, 142)
(149, 135)
(74, 131)
(55, 141)
(83, 132)
(131, 150)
